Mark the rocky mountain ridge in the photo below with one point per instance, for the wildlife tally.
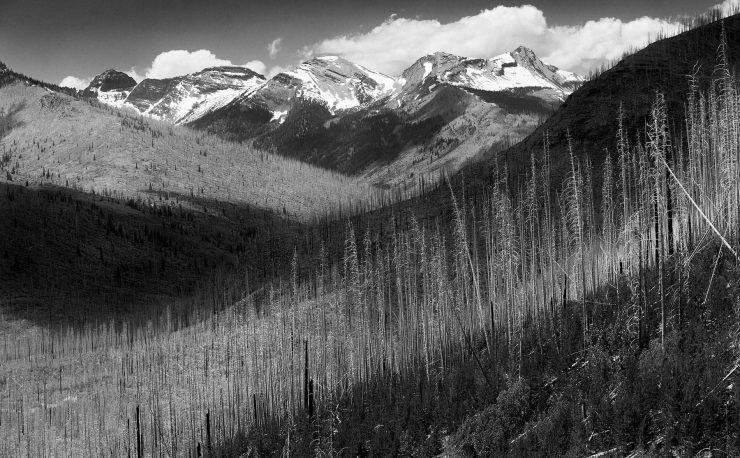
(440, 113)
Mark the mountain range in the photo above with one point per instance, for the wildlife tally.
(438, 114)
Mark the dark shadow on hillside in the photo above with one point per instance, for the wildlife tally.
(516, 101)
(71, 256)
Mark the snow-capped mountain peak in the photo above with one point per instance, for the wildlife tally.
(180, 99)
(517, 69)
(339, 83)
(111, 87)
(336, 83)
(111, 80)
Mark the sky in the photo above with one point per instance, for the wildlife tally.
(71, 41)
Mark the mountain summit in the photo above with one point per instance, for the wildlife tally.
(180, 99)
(186, 98)
(332, 81)
(111, 80)
(515, 70)
(340, 83)
(110, 87)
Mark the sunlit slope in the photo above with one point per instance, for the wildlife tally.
(51, 137)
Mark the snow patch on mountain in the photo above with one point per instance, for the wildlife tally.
(427, 69)
(113, 98)
(279, 116)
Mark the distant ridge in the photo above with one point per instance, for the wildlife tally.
(332, 81)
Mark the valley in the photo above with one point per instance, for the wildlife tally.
(476, 257)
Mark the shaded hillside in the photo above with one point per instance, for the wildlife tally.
(590, 114)
(352, 142)
(67, 254)
(449, 126)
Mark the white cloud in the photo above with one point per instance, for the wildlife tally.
(133, 73)
(274, 47)
(75, 83)
(275, 70)
(178, 62)
(181, 62)
(257, 66)
(396, 43)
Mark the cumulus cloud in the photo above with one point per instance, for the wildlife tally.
(396, 43)
(274, 70)
(181, 62)
(178, 62)
(257, 66)
(274, 47)
(75, 83)
(133, 73)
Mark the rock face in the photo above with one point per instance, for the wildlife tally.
(150, 91)
(111, 80)
(110, 87)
